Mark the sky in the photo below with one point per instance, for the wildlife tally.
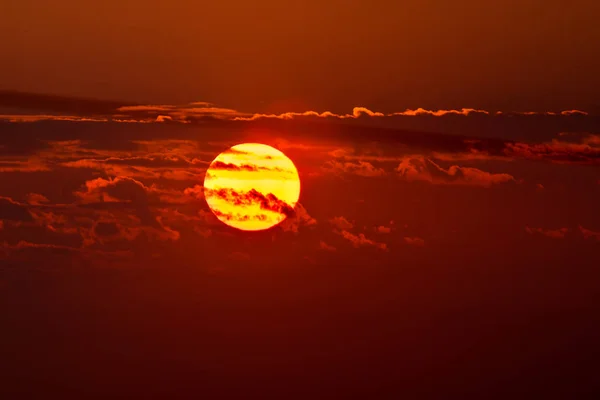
(513, 55)
(445, 241)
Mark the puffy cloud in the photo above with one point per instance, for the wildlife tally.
(418, 168)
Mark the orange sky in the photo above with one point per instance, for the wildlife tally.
(446, 240)
(268, 55)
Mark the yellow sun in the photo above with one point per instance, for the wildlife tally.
(252, 186)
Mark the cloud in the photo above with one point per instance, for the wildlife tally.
(31, 165)
(589, 234)
(357, 112)
(14, 118)
(115, 190)
(564, 113)
(268, 202)
(81, 109)
(57, 104)
(418, 168)
(556, 151)
(197, 192)
(341, 223)
(125, 193)
(36, 199)
(326, 247)
(104, 229)
(360, 168)
(300, 219)
(414, 241)
(12, 211)
(220, 165)
(439, 113)
(559, 233)
(383, 229)
(360, 240)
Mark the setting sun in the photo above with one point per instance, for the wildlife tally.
(252, 186)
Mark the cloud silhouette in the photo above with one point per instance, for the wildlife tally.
(268, 202)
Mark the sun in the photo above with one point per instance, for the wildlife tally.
(252, 186)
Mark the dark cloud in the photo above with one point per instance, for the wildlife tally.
(59, 104)
(220, 165)
(268, 202)
(13, 211)
(106, 229)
